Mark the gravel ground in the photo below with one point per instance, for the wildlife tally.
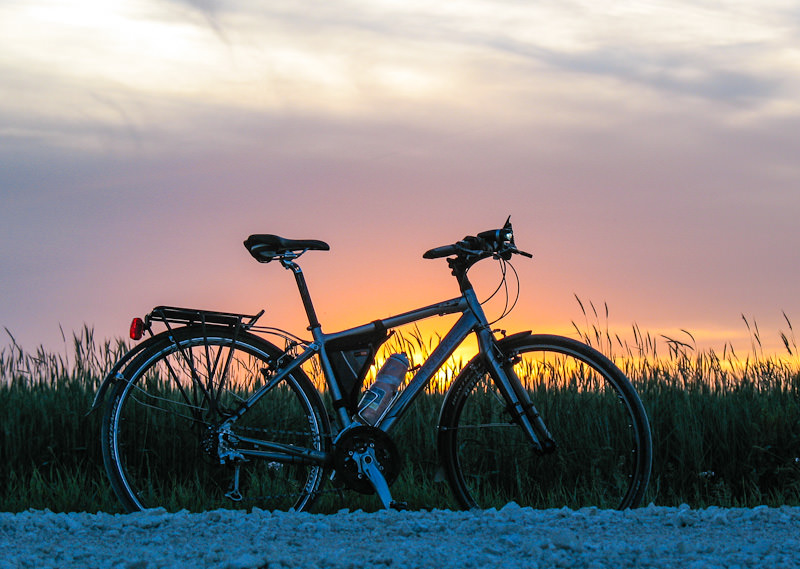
(511, 537)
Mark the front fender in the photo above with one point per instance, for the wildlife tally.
(514, 340)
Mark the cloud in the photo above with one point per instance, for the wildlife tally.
(360, 59)
(211, 11)
(663, 72)
(659, 162)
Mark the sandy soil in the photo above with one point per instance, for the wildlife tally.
(509, 538)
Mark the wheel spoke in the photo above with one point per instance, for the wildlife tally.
(162, 438)
(602, 454)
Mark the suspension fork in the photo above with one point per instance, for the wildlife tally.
(501, 368)
(519, 404)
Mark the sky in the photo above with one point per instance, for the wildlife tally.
(647, 153)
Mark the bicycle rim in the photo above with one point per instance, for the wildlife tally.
(603, 442)
(160, 444)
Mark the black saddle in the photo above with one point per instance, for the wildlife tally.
(264, 248)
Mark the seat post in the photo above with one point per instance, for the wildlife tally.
(303, 289)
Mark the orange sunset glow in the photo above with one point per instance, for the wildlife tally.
(646, 152)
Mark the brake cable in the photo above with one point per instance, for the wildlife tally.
(504, 285)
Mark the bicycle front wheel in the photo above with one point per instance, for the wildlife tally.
(603, 447)
(161, 444)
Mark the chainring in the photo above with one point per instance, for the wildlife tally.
(358, 439)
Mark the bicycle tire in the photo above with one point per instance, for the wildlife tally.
(156, 447)
(603, 450)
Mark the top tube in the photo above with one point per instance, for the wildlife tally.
(452, 306)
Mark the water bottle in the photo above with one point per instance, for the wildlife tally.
(376, 399)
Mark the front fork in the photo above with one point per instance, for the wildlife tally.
(518, 403)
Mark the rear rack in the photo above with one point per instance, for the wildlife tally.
(192, 316)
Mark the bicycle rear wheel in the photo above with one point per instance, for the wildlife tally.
(160, 443)
(600, 427)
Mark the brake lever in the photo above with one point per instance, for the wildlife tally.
(466, 247)
(514, 251)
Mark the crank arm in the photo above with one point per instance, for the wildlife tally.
(368, 466)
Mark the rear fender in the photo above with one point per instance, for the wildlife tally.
(114, 375)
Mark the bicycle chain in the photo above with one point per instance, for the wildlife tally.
(280, 496)
(281, 432)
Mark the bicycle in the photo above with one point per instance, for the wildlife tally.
(208, 413)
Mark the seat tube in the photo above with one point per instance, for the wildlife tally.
(316, 330)
(333, 385)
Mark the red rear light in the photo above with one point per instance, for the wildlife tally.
(137, 329)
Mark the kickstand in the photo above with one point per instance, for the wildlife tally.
(234, 493)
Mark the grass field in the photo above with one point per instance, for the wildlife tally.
(726, 429)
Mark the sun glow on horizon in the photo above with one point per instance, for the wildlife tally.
(644, 148)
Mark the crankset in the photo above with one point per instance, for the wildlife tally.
(367, 461)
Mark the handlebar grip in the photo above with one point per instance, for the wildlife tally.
(439, 252)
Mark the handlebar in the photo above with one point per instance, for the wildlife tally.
(439, 252)
(494, 242)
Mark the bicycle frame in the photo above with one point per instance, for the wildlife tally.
(238, 408)
(472, 320)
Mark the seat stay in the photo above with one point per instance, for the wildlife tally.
(280, 374)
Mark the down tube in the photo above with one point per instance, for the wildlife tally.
(446, 347)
